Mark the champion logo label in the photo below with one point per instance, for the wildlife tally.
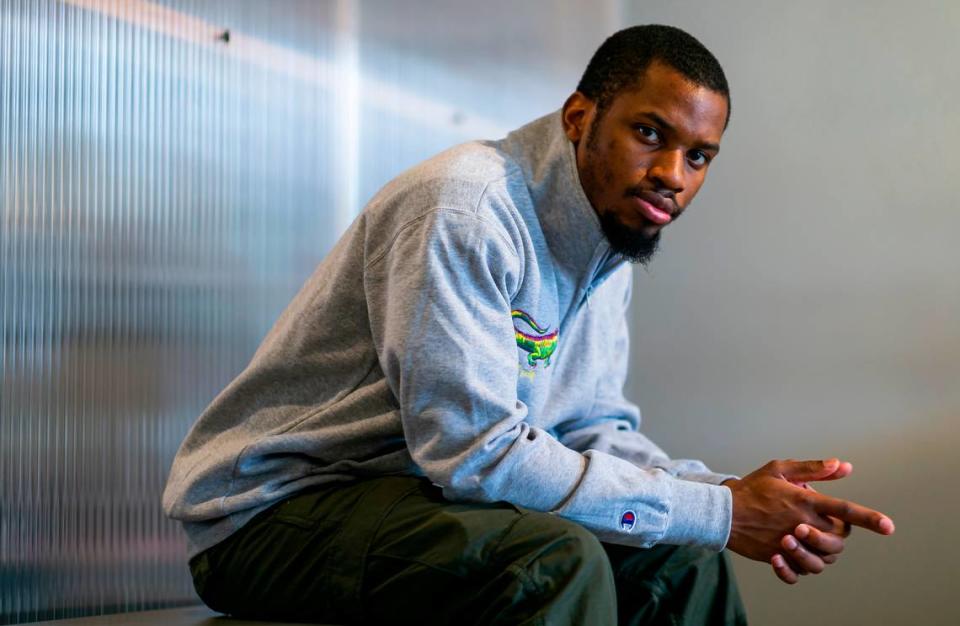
(628, 520)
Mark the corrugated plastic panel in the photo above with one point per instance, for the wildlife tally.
(164, 193)
(170, 174)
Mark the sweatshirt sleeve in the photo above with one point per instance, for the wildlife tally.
(612, 426)
(439, 303)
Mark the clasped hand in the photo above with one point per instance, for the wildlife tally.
(780, 519)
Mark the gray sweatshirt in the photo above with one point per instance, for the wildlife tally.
(469, 327)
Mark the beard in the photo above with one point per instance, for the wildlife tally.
(631, 244)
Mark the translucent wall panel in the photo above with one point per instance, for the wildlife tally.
(170, 173)
(436, 73)
(164, 192)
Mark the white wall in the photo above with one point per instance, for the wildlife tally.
(808, 304)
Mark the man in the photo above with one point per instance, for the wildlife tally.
(435, 430)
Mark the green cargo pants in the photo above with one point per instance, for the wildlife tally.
(392, 551)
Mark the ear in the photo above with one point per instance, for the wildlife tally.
(576, 115)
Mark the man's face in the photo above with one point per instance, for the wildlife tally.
(644, 158)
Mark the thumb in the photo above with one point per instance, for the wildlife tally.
(808, 470)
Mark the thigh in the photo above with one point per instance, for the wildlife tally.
(675, 585)
(300, 560)
(393, 550)
(434, 561)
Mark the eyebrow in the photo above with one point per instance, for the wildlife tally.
(668, 126)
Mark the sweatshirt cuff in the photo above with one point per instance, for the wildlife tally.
(707, 477)
(700, 515)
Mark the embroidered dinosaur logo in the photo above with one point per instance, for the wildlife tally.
(540, 346)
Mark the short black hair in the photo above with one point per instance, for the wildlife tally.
(622, 60)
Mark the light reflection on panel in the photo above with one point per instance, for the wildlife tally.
(484, 68)
(162, 198)
(163, 194)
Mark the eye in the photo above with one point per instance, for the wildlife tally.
(648, 133)
(698, 158)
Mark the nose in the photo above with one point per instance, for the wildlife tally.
(667, 170)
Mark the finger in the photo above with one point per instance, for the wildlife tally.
(783, 571)
(804, 559)
(853, 513)
(825, 523)
(840, 527)
(821, 542)
(843, 470)
(799, 471)
(828, 559)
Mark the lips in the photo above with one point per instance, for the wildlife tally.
(654, 207)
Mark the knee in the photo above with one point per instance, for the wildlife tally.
(703, 562)
(557, 571)
(584, 545)
(548, 541)
(676, 584)
(685, 567)
(691, 556)
(693, 561)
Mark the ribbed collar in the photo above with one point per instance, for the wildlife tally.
(569, 224)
